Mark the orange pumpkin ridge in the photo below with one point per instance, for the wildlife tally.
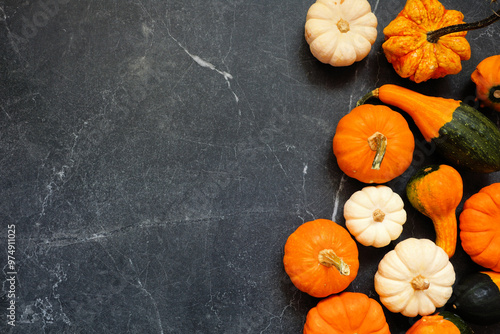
(348, 312)
(479, 227)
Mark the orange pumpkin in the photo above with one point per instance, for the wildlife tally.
(480, 227)
(427, 41)
(486, 76)
(373, 144)
(321, 258)
(408, 49)
(443, 322)
(349, 312)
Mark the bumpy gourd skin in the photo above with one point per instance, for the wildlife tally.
(412, 55)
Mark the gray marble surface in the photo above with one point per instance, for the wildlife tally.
(156, 155)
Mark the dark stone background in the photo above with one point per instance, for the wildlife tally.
(156, 155)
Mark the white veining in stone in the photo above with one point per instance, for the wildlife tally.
(59, 175)
(206, 64)
(45, 309)
(336, 199)
(141, 287)
(304, 173)
(12, 37)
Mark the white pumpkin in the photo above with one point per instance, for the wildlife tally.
(415, 278)
(375, 215)
(340, 32)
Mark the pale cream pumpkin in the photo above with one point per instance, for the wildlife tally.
(375, 215)
(415, 278)
(340, 32)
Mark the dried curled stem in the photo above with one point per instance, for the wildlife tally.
(434, 35)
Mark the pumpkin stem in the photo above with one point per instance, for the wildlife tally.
(343, 26)
(420, 283)
(495, 94)
(378, 215)
(328, 258)
(433, 36)
(374, 93)
(378, 143)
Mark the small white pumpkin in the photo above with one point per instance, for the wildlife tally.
(340, 32)
(415, 278)
(375, 215)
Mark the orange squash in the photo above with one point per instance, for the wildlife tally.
(412, 55)
(321, 258)
(436, 191)
(349, 312)
(443, 322)
(426, 41)
(373, 144)
(480, 227)
(486, 76)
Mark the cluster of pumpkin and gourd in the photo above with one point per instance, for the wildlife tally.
(374, 145)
